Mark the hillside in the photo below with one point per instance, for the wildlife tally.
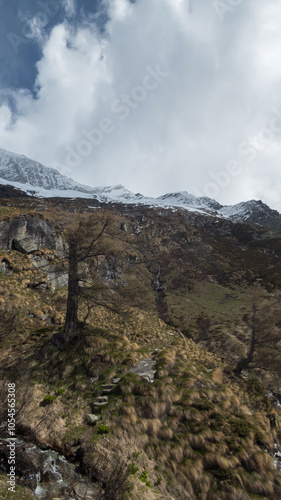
(188, 427)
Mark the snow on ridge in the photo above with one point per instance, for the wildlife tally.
(246, 209)
(115, 194)
(29, 175)
(46, 193)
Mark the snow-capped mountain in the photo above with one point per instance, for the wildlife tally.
(183, 198)
(29, 175)
(18, 168)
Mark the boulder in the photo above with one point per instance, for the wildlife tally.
(91, 418)
(34, 231)
(4, 269)
(84, 492)
(24, 245)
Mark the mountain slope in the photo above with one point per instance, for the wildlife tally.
(196, 431)
(26, 174)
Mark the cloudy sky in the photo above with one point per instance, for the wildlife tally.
(158, 95)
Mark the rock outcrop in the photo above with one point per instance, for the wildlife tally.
(26, 234)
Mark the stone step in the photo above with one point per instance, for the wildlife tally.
(91, 419)
(98, 404)
(102, 398)
(116, 380)
(107, 386)
(107, 391)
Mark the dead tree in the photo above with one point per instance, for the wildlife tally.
(89, 239)
(264, 349)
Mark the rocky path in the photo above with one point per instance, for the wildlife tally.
(49, 474)
(145, 369)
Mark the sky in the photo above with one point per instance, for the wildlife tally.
(157, 95)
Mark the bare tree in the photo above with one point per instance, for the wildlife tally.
(264, 349)
(8, 322)
(99, 272)
(111, 472)
(89, 239)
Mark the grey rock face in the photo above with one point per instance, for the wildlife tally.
(25, 245)
(26, 234)
(56, 279)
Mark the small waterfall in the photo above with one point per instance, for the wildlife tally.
(277, 457)
(158, 283)
(39, 491)
(160, 296)
(46, 473)
(51, 467)
(51, 473)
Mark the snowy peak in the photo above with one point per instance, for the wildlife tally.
(116, 193)
(26, 174)
(184, 198)
(18, 168)
(253, 211)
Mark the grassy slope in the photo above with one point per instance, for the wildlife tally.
(196, 432)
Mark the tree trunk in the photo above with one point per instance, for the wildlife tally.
(71, 321)
(244, 363)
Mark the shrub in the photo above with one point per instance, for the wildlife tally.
(49, 399)
(103, 429)
(133, 469)
(143, 476)
(203, 405)
(241, 427)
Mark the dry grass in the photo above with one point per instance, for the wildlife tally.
(259, 462)
(201, 435)
(257, 485)
(214, 460)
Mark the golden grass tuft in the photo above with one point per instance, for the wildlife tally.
(153, 408)
(150, 426)
(215, 460)
(192, 469)
(165, 434)
(197, 441)
(260, 462)
(167, 358)
(217, 375)
(257, 485)
(177, 453)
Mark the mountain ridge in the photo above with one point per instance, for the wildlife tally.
(29, 175)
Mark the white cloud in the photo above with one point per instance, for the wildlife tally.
(223, 82)
(69, 7)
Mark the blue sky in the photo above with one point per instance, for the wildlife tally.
(158, 95)
(18, 54)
